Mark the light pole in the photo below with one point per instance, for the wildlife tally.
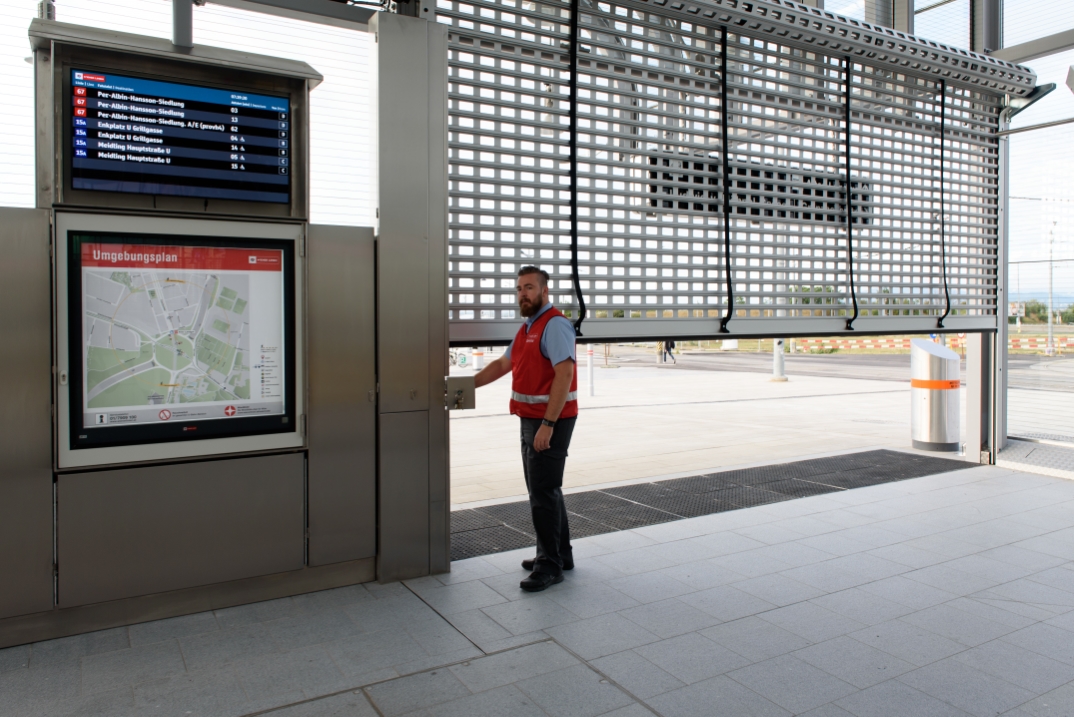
(1051, 264)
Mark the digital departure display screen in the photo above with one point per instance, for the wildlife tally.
(145, 136)
(179, 337)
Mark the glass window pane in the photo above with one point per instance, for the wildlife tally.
(944, 22)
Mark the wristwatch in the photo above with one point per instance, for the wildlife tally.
(546, 422)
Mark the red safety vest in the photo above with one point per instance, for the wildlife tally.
(532, 373)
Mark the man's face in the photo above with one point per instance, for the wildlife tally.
(532, 294)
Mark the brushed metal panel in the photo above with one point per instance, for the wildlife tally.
(342, 416)
(25, 413)
(137, 531)
(403, 271)
(404, 496)
(439, 444)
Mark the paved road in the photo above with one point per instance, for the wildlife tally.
(1042, 373)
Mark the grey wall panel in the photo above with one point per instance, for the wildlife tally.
(25, 413)
(342, 420)
(404, 496)
(403, 248)
(136, 531)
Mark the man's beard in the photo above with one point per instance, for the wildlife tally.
(527, 309)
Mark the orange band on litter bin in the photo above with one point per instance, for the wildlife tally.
(935, 385)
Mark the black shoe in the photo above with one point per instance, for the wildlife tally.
(537, 582)
(568, 564)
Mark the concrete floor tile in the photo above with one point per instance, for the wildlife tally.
(114, 703)
(471, 569)
(668, 618)
(309, 669)
(326, 600)
(911, 557)
(828, 710)
(439, 637)
(911, 593)
(147, 633)
(574, 692)
(34, 692)
(15, 658)
(206, 692)
(691, 657)
(523, 616)
(310, 628)
(263, 611)
(505, 668)
(1047, 640)
(751, 563)
(719, 697)
(215, 649)
(959, 625)
(637, 675)
(396, 607)
(866, 608)
(778, 589)
(827, 576)
(639, 560)
(792, 684)
(415, 692)
(348, 704)
(726, 603)
(950, 580)
(478, 627)
(992, 611)
(911, 643)
(896, 699)
(1061, 578)
(1029, 592)
(508, 700)
(459, 597)
(651, 587)
(968, 689)
(424, 664)
(755, 639)
(370, 652)
(1057, 703)
(590, 600)
(1018, 666)
(112, 670)
(601, 635)
(854, 662)
(69, 650)
(989, 569)
(634, 710)
(1029, 559)
(770, 533)
(701, 575)
(811, 621)
(795, 555)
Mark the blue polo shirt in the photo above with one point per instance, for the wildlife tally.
(557, 341)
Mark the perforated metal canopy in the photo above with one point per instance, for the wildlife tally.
(687, 220)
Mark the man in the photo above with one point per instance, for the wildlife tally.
(544, 395)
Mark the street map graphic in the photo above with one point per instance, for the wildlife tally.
(180, 333)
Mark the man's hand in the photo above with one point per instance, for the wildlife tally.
(492, 371)
(543, 439)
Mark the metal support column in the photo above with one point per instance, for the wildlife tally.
(412, 346)
(986, 31)
(880, 12)
(903, 11)
(999, 439)
(183, 23)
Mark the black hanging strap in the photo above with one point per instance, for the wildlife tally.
(575, 13)
(943, 221)
(724, 110)
(850, 203)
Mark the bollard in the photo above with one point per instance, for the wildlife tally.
(589, 368)
(934, 395)
(777, 361)
(479, 359)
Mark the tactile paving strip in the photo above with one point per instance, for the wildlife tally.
(508, 526)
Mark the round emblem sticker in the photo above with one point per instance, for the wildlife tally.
(229, 411)
(165, 414)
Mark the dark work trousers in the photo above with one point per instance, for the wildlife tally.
(544, 481)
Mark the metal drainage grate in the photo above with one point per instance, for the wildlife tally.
(508, 526)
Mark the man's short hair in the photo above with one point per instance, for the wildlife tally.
(535, 270)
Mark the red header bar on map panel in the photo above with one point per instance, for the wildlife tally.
(185, 258)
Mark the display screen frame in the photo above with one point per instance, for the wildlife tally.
(82, 437)
(114, 445)
(69, 58)
(164, 179)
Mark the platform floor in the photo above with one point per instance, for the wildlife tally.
(951, 594)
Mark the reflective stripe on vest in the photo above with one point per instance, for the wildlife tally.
(523, 398)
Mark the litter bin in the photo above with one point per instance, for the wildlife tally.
(934, 384)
